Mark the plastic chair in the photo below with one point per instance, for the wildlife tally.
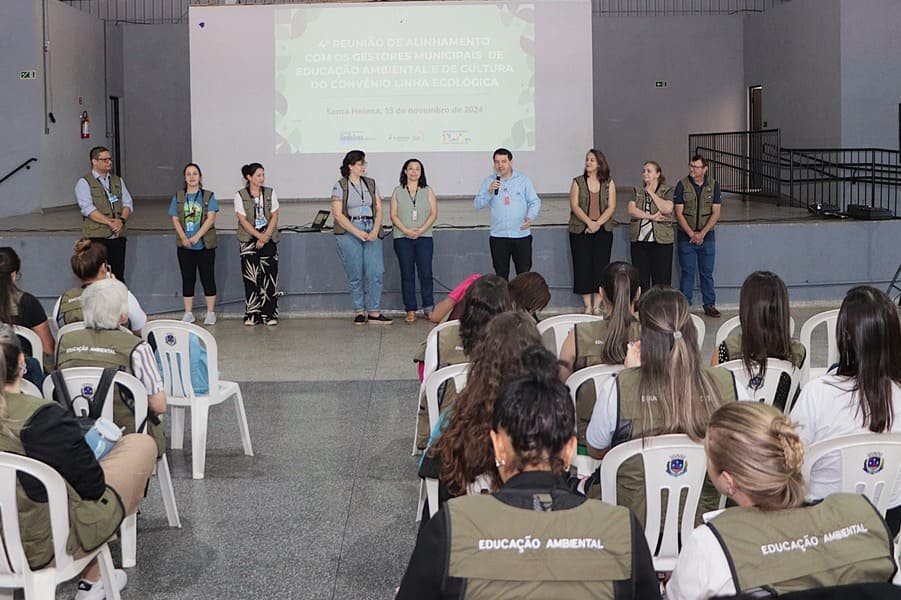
(41, 584)
(671, 462)
(701, 327)
(31, 389)
(561, 325)
(76, 379)
(775, 367)
(726, 328)
(870, 464)
(428, 487)
(599, 374)
(173, 343)
(430, 365)
(829, 319)
(37, 347)
(67, 329)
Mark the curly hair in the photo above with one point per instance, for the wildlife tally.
(486, 297)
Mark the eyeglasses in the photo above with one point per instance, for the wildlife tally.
(106, 159)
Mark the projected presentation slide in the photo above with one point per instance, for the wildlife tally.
(388, 80)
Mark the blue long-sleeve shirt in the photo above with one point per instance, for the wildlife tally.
(506, 219)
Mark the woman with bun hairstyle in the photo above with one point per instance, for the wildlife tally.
(651, 228)
(193, 211)
(464, 551)
(256, 208)
(862, 394)
(772, 541)
(592, 202)
(529, 293)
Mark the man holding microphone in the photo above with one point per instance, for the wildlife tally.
(514, 204)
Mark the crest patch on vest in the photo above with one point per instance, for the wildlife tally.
(676, 466)
(874, 463)
(170, 339)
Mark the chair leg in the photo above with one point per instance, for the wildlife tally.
(177, 418)
(419, 398)
(431, 488)
(107, 574)
(40, 585)
(199, 417)
(129, 539)
(242, 423)
(162, 473)
(421, 503)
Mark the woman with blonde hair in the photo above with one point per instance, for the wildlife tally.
(772, 541)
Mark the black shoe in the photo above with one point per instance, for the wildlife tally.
(711, 311)
(360, 320)
(380, 318)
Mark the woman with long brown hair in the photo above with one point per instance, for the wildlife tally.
(18, 307)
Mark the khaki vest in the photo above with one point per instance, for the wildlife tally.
(250, 211)
(209, 238)
(91, 522)
(92, 229)
(370, 185)
(663, 231)
(630, 479)
(509, 552)
(70, 308)
(107, 348)
(697, 217)
(841, 540)
(733, 348)
(576, 225)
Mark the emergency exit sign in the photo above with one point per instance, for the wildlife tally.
(660, 84)
(28, 75)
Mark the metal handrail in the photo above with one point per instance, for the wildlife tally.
(25, 165)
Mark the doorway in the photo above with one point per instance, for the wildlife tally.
(755, 140)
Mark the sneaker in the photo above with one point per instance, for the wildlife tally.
(210, 319)
(380, 318)
(250, 321)
(188, 317)
(271, 321)
(711, 311)
(94, 591)
(360, 320)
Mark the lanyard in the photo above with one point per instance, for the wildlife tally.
(413, 196)
(359, 191)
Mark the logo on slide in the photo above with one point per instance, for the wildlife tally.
(449, 136)
(350, 137)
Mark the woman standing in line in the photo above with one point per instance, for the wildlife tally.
(193, 211)
(357, 208)
(413, 211)
(592, 201)
(651, 229)
(256, 207)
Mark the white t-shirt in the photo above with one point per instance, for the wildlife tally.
(136, 316)
(701, 570)
(828, 408)
(239, 204)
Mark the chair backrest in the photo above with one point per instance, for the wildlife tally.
(82, 379)
(37, 347)
(561, 325)
(829, 319)
(433, 383)
(766, 393)
(57, 501)
(173, 343)
(701, 326)
(671, 462)
(599, 374)
(430, 364)
(870, 464)
(31, 389)
(729, 324)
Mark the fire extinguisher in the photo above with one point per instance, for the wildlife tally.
(85, 125)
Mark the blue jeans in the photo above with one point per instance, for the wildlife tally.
(412, 256)
(694, 258)
(364, 267)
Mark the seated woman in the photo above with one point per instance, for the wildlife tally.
(100, 494)
(466, 549)
(862, 394)
(772, 542)
(23, 309)
(529, 293)
(765, 332)
(665, 365)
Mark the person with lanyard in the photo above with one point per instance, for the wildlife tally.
(193, 211)
(651, 228)
(259, 246)
(413, 211)
(105, 206)
(357, 208)
(514, 204)
(698, 203)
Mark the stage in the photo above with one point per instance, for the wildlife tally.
(819, 258)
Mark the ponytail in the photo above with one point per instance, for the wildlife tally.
(621, 283)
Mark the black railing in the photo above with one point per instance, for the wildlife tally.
(743, 162)
(25, 165)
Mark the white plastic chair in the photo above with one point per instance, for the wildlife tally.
(68, 329)
(31, 389)
(428, 487)
(173, 344)
(734, 323)
(430, 365)
(561, 325)
(701, 327)
(829, 319)
(599, 374)
(870, 464)
(37, 347)
(76, 379)
(775, 367)
(41, 584)
(671, 462)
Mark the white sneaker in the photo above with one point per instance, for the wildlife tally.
(94, 591)
(210, 319)
(188, 317)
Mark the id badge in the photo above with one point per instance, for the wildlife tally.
(259, 223)
(507, 200)
(113, 198)
(190, 228)
(365, 211)
(414, 215)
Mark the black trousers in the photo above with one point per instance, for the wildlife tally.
(654, 263)
(115, 255)
(591, 255)
(502, 249)
(192, 261)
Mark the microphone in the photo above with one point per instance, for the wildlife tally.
(498, 187)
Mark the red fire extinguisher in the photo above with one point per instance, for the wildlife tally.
(85, 125)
